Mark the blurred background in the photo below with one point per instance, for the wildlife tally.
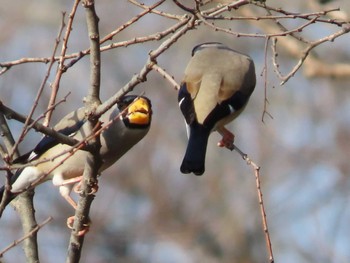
(145, 209)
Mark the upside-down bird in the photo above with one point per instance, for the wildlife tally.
(216, 88)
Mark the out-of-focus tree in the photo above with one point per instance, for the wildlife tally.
(145, 209)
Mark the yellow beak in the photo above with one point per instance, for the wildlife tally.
(139, 112)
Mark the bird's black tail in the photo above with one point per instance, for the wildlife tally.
(194, 160)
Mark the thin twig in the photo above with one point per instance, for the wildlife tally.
(256, 169)
(151, 9)
(256, 35)
(263, 213)
(25, 128)
(220, 9)
(181, 28)
(296, 35)
(61, 66)
(11, 114)
(306, 15)
(166, 76)
(305, 53)
(32, 232)
(265, 75)
(183, 7)
(40, 117)
(131, 21)
(284, 16)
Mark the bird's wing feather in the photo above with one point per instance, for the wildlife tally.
(186, 104)
(68, 126)
(48, 142)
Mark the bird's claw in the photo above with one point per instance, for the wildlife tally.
(94, 188)
(77, 188)
(85, 228)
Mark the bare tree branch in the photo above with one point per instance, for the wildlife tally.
(93, 162)
(264, 73)
(8, 140)
(306, 54)
(166, 76)
(11, 114)
(294, 45)
(61, 66)
(152, 9)
(182, 27)
(256, 169)
(23, 203)
(131, 21)
(39, 93)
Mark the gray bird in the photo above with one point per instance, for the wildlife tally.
(129, 121)
(216, 88)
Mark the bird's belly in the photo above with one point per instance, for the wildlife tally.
(68, 165)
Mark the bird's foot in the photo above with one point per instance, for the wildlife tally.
(78, 188)
(85, 228)
(227, 138)
(94, 188)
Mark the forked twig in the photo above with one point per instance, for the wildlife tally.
(39, 93)
(181, 28)
(304, 54)
(166, 76)
(151, 9)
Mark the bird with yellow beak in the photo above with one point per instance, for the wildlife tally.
(126, 124)
(216, 88)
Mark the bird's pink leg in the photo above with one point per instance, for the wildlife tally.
(72, 180)
(66, 195)
(77, 188)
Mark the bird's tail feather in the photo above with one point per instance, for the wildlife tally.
(194, 160)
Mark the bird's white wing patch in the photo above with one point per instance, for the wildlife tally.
(32, 156)
(180, 102)
(232, 110)
(187, 129)
(29, 176)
